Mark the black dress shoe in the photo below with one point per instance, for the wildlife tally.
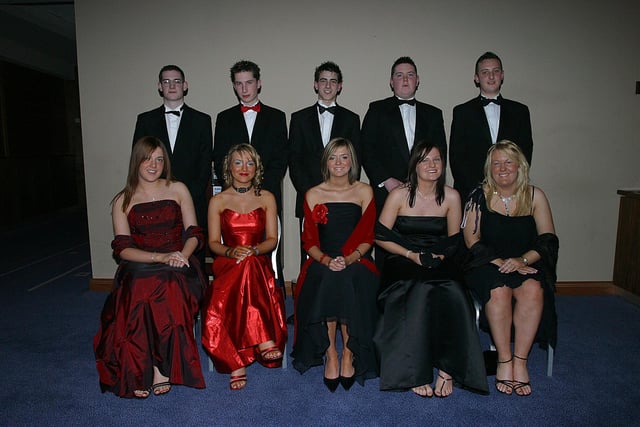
(331, 383)
(347, 382)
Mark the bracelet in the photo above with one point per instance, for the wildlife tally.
(525, 261)
(407, 254)
(227, 252)
(322, 258)
(255, 250)
(359, 253)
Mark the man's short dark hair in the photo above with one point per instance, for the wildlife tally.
(170, 68)
(330, 66)
(403, 60)
(485, 56)
(245, 65)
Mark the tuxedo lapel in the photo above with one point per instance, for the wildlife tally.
(184, 130)
(505, 119)
(313, 125)
(159, 127)
(481, 118)
(397, 127)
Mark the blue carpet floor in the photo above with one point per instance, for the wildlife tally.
(49, 317)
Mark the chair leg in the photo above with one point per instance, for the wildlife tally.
(550, 351)
(284, 357)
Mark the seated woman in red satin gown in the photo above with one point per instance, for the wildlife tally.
(145, 341)
(243, 314)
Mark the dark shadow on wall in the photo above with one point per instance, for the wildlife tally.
(41, 165)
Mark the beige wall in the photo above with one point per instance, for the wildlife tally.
(574, 63)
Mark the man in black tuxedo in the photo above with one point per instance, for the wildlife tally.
(185, 132)
(254, 123)
(392, 125)
(313, 127)
(481, 122)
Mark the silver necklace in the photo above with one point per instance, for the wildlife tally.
(506, 201)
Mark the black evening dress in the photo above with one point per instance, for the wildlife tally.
(427, 320)
(509, 237)
(148, 318)
(347, 296)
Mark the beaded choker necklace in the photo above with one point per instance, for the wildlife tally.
(242, 189)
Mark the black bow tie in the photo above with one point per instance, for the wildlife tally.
(174, 112)
(322, 109)
(487, 101)
(406, 101)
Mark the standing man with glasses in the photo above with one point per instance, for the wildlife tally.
(257, 124)
(313, 127)
(187, 135)
(481, 122)
(391, 127)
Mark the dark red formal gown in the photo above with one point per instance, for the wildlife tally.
(148, 319)
(243, 307)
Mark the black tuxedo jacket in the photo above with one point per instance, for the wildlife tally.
(191, 157)
(385, 152)
(269, 138)
(471, 138)
(306, 148)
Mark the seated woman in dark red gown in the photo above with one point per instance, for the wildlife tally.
(338, 283)
(244, 316)
(145, 342)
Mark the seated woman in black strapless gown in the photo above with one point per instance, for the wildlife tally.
(145, 342)
(427, 320)
(338, 283)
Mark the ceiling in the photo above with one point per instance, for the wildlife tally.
(39, 35)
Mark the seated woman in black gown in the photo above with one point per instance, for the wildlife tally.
(145, 341)
(243, 310)
(509, 230)
(338, 283)
(426, 320)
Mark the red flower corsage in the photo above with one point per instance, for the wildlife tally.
(319, 214)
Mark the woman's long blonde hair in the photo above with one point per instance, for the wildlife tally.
(522, 195)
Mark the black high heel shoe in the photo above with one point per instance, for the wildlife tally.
(347, 382)
(331, 383)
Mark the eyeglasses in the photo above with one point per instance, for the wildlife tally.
(169, 82)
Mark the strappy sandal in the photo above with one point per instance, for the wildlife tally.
(517, 385)
(265, 354)
(438, 393)
(507, 383)
(155, 387)
(235, 379)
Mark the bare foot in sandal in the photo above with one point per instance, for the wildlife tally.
(444, 384)
(238, 379)
(521, 385)
(161, 384)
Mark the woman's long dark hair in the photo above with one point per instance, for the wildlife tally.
(418, 153)
(141, 151)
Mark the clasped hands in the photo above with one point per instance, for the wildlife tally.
(337, 264)
(241, 252)
(174, 259)
(510, 265)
